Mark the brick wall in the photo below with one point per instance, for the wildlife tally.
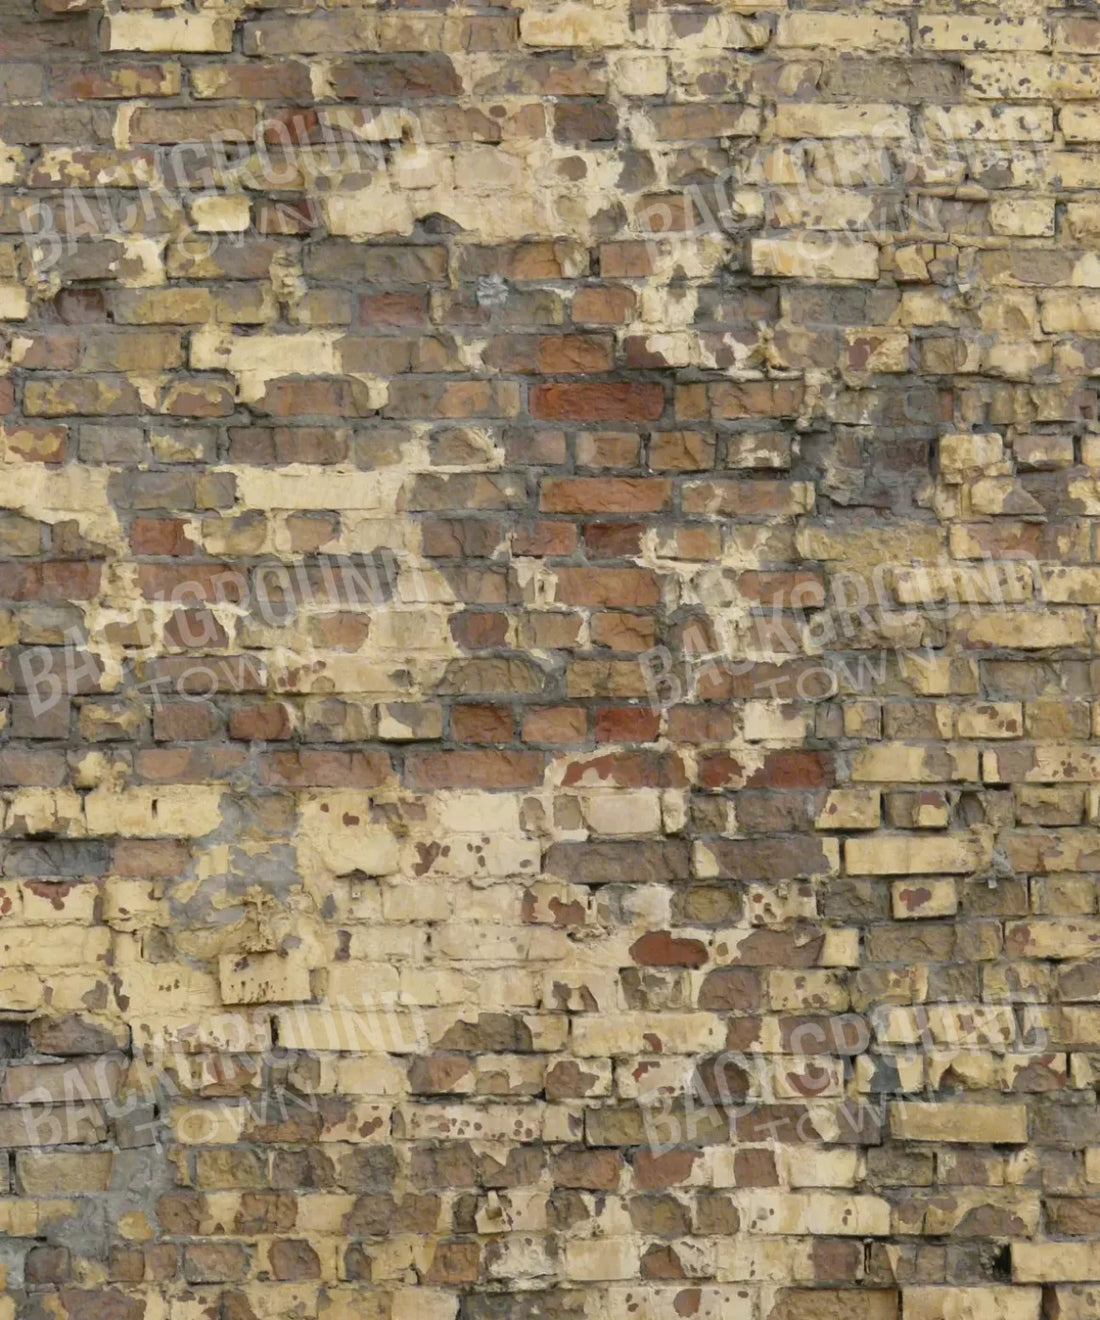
(548, 603)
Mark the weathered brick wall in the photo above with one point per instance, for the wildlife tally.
(548, 597)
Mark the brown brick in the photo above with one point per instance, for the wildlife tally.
(624, 401)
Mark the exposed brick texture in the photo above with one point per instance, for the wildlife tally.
(549, 738)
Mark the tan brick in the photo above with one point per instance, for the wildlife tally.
(1054, 1262)
(972, 1124)
(814, 259)
(815, 30)
(177, 33)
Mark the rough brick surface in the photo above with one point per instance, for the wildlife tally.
(548, 608)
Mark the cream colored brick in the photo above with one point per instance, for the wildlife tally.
(169, 811)
(1031, 217)
(807, 990)
(1028, 630)
(14, 303)
(1001, 124)
(348, 1029)
(1063, 310)
(626, 812)
(1075, 1301)
(994, 719)
(918, 899)
(911, 763)
(206, 1125)
(1065, 584)
(635, 1033)
(571, 24)
(608, 1258)
(911, 855)
(20, 991)
(812, 258)
(798, 1213)
(370, 1074)
(336, 829)
(421, 1304)
(1054, 937)
(815, 1167)
(840, 948)
(961, 454)
(1055, 1262)
(771, 721)
(966, 33)
(263, 978)
(850, 809)
(1080, 123)
(170, 33)
(1082, 219)
(806, 120)
(970, 1124)
(989, 584)
(220, 214)
(814, 30)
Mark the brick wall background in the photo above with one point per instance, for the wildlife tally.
(548, 597)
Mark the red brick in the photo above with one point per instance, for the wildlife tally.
(608, 304)
(324, 769)
(607, 586)
(627, 724)
(160, 536)
(659, 948)
(605, 495)
(611, 401)
(267, 721)
(481, 724)
(52, 580)
(559, 725)
(544, 539)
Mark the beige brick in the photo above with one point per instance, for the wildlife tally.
(904, 763)
(1027, 630)
(967, 33)
(1075, 1301)
(972, 1124)
(1053, 937)
(998, 719)
(801, 120)
(850, 809)
(811, 258)
(1023, 217)
(960, 454)
(14, 303)
(54, 1173)
(814, 30)
(263, 978)
(817, 1213)
(917, 899)
(1000, 124)
(1055, 1262)
(989, 1303)
(571, 24)
(177, 33)
(220, 215)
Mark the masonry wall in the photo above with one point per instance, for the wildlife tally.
(548, 604)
